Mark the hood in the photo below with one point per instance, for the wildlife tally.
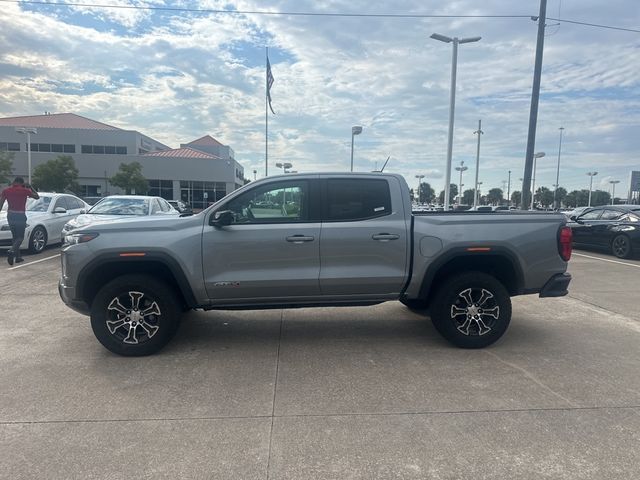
(101, 223)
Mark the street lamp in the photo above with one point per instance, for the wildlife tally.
(613, 194)
(479, 132)
(357, 130)
(533, 180)
(452, 103)
(460, 169)
(555, 191)
(255, 172)
(478, 190)
(591, 175)
(284, 166)
(28, 132)
(419, 177)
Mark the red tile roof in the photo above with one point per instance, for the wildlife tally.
(185, 152)
(56, 120)
(206, 140)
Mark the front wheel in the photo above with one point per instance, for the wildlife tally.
(621, 246)
(135, 315)
(37, 240)
(471, 310)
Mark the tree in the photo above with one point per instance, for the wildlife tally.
(130, 178)
(426, 193)
(561, 194)
(577, 198)
(600, 197)
(6, 166)
(467, 196)
(544, 196)
(57, 175)
(495, 196)
(516, 198)
(453, 193)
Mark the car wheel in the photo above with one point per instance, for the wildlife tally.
(135, 315)
(471, 310)
(621, 246)
(37, 240)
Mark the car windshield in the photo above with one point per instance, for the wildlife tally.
(121, 206)
(39, 205)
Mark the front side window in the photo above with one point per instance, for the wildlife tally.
(275, 203)
(592, 215)
(357, 199)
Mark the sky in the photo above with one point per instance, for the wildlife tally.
(177, 75)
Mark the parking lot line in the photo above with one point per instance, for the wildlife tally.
(35, 261)
(606, 260)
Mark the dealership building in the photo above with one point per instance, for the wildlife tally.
(199, 172)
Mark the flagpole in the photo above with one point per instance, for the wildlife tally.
(266, 115)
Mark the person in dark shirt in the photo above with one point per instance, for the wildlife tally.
(16, 197)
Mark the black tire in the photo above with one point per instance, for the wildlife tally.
(621, 246)
(138, 334)
(471, 310)
(415, 304)
(38, 239)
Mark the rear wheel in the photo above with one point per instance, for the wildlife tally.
(471, 310)
(621, 246)
(135, 315)
(38, 240)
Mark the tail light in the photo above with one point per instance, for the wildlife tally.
(564, 243)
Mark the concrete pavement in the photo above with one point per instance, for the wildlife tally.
(350, 393)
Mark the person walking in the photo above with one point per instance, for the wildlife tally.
(16, 197)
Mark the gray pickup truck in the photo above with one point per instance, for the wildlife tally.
(312, 240)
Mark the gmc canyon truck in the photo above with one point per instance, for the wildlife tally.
(312, 240)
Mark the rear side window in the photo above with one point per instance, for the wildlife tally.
(611, 215)
(357, 199)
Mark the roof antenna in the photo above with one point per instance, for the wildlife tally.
(385, 164)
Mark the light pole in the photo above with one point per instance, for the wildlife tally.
(509, 190)
(460, 169)
(284, 166)
(613, 194)
(357, 130)
(478, 190)
(533, 180)
(28, 132)
(478, 132)
(255, 172)
(591, 175)
(419, 177)
(555, 191)
(452, 104)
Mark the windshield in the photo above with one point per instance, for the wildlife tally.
(39, 205)
(121, 206)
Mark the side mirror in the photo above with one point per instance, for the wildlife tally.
(573, 218)
(59, 210)
(83, 211)
(221, 218)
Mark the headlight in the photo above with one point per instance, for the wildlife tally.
(76, 238)
(68, 227)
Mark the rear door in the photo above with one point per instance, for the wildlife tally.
(270, 253)
(602, 231)
(364, 241)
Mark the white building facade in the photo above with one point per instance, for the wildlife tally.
(199, 172)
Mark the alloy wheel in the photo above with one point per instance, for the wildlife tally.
(38, 240)
(621, 246)
(133, 317)
(475, 311)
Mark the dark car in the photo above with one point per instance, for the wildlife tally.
(613, 228)
(182, 207)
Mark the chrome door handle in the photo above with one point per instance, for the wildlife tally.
(385, 237)
(300, 239)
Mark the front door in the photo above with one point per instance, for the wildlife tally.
(364, 243)
(270, 253)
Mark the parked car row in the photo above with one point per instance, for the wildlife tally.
(51, 217)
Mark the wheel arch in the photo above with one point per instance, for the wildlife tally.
(105, 268)
(499, 263)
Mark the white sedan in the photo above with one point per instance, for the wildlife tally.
(45, 219)
(115, 207)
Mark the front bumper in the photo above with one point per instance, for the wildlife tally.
(557, 286)
(67, 293)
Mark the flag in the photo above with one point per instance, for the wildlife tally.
(269, 83)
